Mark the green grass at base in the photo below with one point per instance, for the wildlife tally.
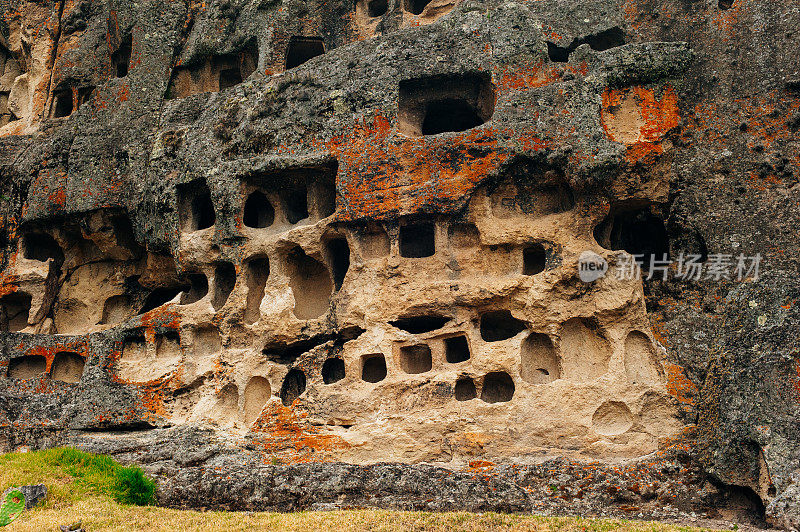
(91, 472)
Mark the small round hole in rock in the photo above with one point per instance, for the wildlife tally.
(416, 359)
(258, 211)
(332, 370)
(373, 368)
(456, 349)
(293, 386)
(498, 387)
(534, 259)
(465, 389)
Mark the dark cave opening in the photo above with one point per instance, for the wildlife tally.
(42, 247)
(293, 386)
(64, 103)
(449, 103)
(258, 211)
(416, 7)
(498, 325)
(534, 259)
(339, 256)
(442, 116)
(377, 8)
(456, 349)
(373, 368)
(121, 59)
(302, 49)
(465, 389)
(196, 209)
(416, 358)
(498, 387)
(417, 240)
(333, 370)
(296, 203)
(420, 324)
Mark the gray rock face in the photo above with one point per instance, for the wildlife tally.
(784, 511)
(294, 255)
(33, 494)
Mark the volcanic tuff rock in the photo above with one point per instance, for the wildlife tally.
(296, 255)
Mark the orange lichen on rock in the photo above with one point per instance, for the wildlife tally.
(426, 166)
(678, 386)
(8, 284)
(282, 430)
(797, 382)
(538, 75)
(640, 119)
(725, 20)
(767, 125)
(480, 465)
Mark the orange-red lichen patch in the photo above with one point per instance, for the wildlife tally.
(767, 125)
(678, 386)
(637, 117)
(480, 466)
(797, 381)
(518, 78)
(8, 284)
(725, 21)
(284, 431)
(437, 171)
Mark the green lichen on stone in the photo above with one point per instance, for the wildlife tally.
(12, 506)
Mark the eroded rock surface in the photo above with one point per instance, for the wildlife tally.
(327, 254)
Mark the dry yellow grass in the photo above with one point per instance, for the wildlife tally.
(103, 514)
(69, 502)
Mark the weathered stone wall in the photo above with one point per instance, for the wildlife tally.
(292, 233)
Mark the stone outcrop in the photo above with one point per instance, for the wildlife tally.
(299, 255)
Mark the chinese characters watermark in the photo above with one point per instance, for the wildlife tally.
(686, 267)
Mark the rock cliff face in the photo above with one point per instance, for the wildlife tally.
(308, 254)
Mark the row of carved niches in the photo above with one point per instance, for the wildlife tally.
(492, 357)
(103, 278)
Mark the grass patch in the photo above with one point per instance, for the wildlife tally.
(85, 487)
(91, 472)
